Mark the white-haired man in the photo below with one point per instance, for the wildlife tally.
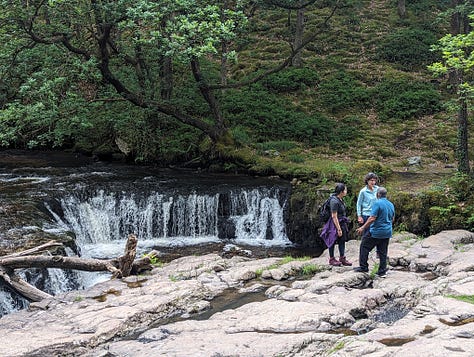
(381, 228)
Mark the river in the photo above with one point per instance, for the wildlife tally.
(93, 206)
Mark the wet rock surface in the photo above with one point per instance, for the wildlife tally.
(335, 312)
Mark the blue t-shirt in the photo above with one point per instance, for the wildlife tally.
(384, 210)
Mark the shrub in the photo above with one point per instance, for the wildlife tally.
(291, 79)
(240, 135)
(342, 91)
(403, 99)
(269, 117)
(296, 158)
(282, 145)
(411, 48)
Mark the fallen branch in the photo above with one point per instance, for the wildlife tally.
(119, 267)
(35, 250)
(22, 287)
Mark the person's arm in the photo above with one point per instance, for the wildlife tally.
(366, 224)
(336, 223)
(360, 200)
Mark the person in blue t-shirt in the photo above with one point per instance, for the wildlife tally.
(381, 227)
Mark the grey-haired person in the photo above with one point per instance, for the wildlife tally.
(380, 225)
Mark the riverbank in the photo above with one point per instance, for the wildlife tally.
(417, 310)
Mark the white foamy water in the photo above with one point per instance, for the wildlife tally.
(170, 221)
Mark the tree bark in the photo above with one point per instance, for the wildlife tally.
(126, 261)
(22, 287)
(35, 250)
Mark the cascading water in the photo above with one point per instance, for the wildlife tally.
(102, 221)
(163, 208)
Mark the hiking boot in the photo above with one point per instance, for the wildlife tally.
(361, 270)
(382, 273)
(334, 262)
(344, 261)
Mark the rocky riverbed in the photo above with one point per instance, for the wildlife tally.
(271, 308)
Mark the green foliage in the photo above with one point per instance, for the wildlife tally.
(48, 107)
(337, 347)
(291, 79)
(374, 270)
(410, 48)
(307, 269)
(465, 298)
(268, 116)
(296, 158)
(281, 146)
(457, 55)
(289, 258)
(49, 97)
(402, 98)
(311, 269)
(240, 135)
(154, 260)
(454, 209)
(341, 91)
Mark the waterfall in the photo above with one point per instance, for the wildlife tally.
(104, 219)
(10, 302)
(258, 218)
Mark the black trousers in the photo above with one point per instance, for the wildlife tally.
(366, 246)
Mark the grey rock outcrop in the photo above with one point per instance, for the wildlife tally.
(272, 310)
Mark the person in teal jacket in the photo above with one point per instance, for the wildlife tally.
(365, 200)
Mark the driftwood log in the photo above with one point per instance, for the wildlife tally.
(119, 267)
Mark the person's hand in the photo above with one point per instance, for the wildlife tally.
(339, 232)
(360, 219)
(359, 230)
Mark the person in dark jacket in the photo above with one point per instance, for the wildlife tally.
(336, 230)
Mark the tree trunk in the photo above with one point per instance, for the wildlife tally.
(126, 261)
(22, 287)
(401, 9)
(462, 151)
(298, 40)
(166, 75)
(208, 95)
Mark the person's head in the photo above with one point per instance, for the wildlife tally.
(371, 177)
(381, 192)
(340, 188)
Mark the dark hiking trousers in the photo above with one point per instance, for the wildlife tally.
(366, 246)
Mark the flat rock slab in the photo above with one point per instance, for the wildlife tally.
(336, 312)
